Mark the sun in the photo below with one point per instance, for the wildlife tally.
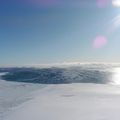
(116, 3)
(116, 76)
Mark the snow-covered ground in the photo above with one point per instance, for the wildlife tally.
(79, 101)
(94, 94)
(13, 94)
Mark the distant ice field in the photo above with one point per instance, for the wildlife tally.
(81, 73)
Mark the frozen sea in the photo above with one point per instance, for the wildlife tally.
(79, 92)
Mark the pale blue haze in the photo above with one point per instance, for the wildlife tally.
(43, 33)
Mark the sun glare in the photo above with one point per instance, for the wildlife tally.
(116, 3)
(116, 76)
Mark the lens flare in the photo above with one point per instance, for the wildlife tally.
(99, 42)
(115, 24)
(102, 3)
(116, 3)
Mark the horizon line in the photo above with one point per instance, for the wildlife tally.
(58, 64)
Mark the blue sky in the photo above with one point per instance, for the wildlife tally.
(52, 31)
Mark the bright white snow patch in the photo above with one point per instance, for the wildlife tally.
(71, 102)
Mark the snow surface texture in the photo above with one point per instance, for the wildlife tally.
(13, 94)
(71, 102)
(75, 101)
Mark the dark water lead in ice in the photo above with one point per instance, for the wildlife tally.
(99, 74)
